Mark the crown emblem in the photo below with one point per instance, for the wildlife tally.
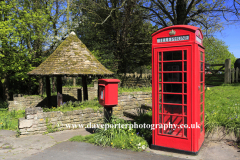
(172, 32)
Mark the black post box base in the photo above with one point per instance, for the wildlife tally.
(107, 114)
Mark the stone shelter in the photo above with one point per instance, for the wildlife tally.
(71, 58)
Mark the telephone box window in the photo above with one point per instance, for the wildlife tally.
(185, 55)
(172, 98)
(172, 109)
(175, 88)
(185, 111)
(185, 66)
(172, 55)
(201, 66)
(185, 88)
(172, 77)
(172, 66)
(160, 118)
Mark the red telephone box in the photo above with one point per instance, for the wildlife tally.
(178, 88)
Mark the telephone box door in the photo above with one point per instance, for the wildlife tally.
(173, 80)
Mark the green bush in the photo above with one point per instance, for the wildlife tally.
(9, 120)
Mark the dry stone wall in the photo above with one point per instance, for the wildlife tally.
(36, 121)
(21, 102)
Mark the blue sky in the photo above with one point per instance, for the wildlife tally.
(231, 36)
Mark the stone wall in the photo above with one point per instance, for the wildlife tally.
(136, 80)
(21, 102)
(37, 121)
(131, 100)
(24, 101)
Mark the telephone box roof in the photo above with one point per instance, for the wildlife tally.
(186, 27)
(71, 58)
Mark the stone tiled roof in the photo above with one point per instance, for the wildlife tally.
(71, 58)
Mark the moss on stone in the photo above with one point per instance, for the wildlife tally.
(68, 60)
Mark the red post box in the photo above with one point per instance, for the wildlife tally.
(108, 92)
(178, 80)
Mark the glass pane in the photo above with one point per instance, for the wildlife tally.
(201, 87)
(160, 77)
(160, 67)
(174, 131)
(185, 66)
(160, 98)
(160, 118)
(172, 98)
(172, 66)
(201, 107)
(201, 97)
(201, 118)
(172, 77)
(201, 77)
(172, 119)
(185, 110)
(172, 109)
(160, 57)
(201, 66)
(185, 99)
(201, 56)
(185, 132)
(185, 55)
(185, 77)
(185, 88)
(185, 129)
(201, 128)
(160, 130)
(160, 108)
(176, 88)
(172, 55)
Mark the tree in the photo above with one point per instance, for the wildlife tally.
(216, 51)
(113, 41)
(22, 32)
(204, 13)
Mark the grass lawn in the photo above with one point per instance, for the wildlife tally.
(222, 107)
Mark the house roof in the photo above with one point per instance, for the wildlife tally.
(71, 58)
